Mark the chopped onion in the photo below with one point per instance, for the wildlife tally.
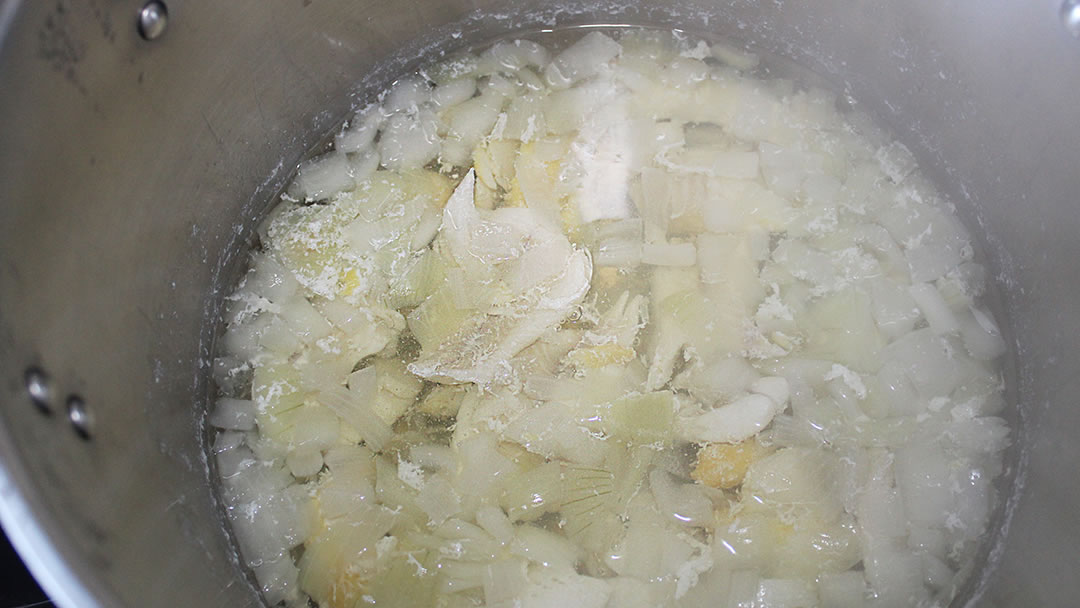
(235, 414)
(409, 140)
(472, 120)
(686, 503)
(842, 590)
(277, 579)
(896, 161)
(544, 548)
(322, 177)
(361, 131)
(895, 311)
(933, 306)
(453, 92)
(503, 582)
(304, 462)
(669, 254)
(743, 590)
(406, 95)
(734, 56)
(922, 476)
(785, 593)
(981, 336)
(493, 520)
(487, 393)
(353, 409)
(438, 499)
(581, 60)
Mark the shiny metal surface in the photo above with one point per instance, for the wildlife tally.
(79, 416)
(37, 389)
(153, 17)
(133, 172)
(1070, 17)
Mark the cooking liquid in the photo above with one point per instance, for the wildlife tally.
(617, 319)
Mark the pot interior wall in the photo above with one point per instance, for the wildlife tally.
(133, 172)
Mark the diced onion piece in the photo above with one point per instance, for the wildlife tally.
(409, 140)
(525, 118)
(842, 590)
(515, 55)
(322, 177)
(363, 382)
(361, 131)
(434, 457)
(227, 440)
(922, 476)
(472, 120)
(933, 306)
(686, 503)
(494, 521)
(773, 387)
(346, 491)
(641, 419)
(528, 496)
(739, 59)
(729, 271)
(980, 334)
(895, 576)
(601, 153)
(551, 430)
(896, 161)
(235, 414)
(743, 590)
(724, 465)
(563, 587)
(453, 92)
(785, 593)
(894, 310)
(669, 254)
(279, 338)
(354, 410)
(542, 547)
(503, 582)
(483, 467)
(730, 423)
(582, 59)
(233, 461)
(363, 164)
(618, 253)
(736, 205)
(547, 388)
(277, 580)
(715, 161)
(406, 95)
(438, 499)
(785, 168)
(927, 361)
(569, 110)
(880, 512)
(304, 462)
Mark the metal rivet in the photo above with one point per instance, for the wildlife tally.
(79, 416)
(153, 17)
(37, 386)
(1070, 16)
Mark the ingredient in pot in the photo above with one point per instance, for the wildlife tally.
(628, 323)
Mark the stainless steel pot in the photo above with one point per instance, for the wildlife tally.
(133, 167)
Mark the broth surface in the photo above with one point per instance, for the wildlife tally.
(616, 321)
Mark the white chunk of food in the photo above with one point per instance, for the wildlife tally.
(544, 289)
